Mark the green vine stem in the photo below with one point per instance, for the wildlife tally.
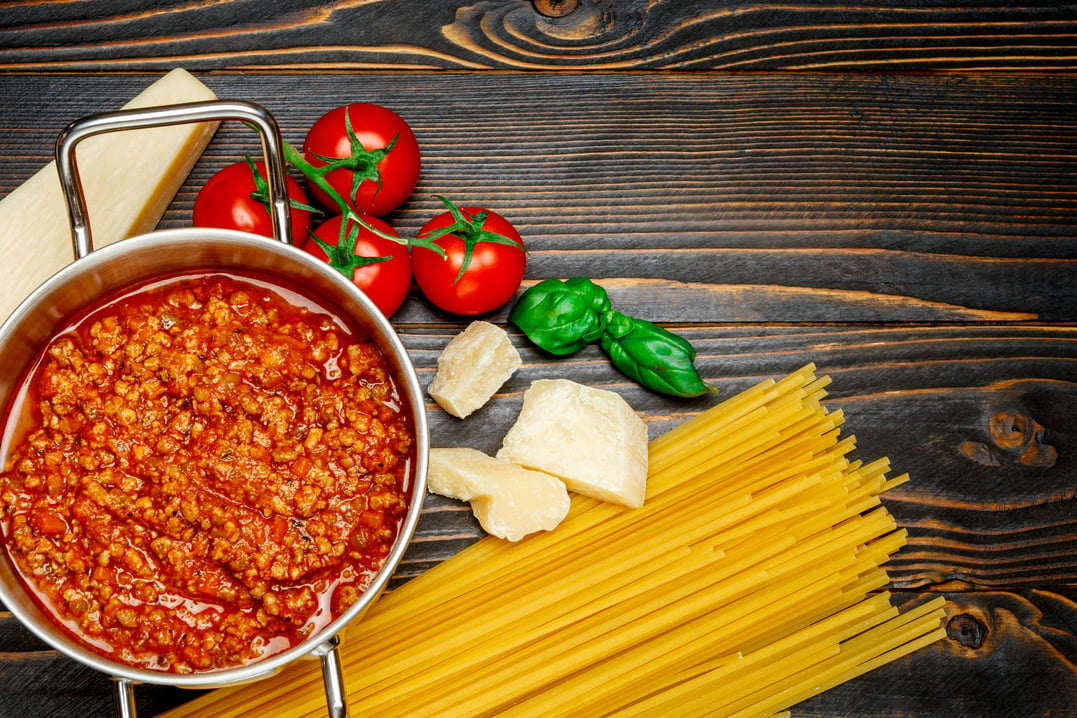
(316, 176)
(469, 229)
(261, 190)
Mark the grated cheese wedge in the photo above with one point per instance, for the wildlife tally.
(129, 179)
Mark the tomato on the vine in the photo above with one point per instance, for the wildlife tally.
(235, 198)
(380, 267)
(483, 264)
(372, 156)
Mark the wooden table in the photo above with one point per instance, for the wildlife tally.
(887, 191)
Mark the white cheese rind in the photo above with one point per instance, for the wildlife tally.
(508, 500)
(589, 438)
(129, 179)
(473, 365)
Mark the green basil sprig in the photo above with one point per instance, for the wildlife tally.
(562, 317)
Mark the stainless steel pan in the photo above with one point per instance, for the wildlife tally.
(99, 272)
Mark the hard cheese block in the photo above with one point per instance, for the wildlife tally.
(589, 438)
(508, 500)
(474, 365)
(129, 179)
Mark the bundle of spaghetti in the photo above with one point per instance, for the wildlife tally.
(751, 580)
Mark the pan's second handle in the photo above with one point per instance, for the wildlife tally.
(249, 113)
(333, 677)
(123, 698)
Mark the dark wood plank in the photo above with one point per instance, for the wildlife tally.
(46, 683)
(777, 198)
(494, 34)
(1006, 653)
(911, 235)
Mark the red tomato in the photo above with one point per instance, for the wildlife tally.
(232, 199)
(377, 153)
(385, 282)
(495, 269)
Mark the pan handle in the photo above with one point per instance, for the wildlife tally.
(336, 701)
(249, 113)
(333, 677)
(123, 698)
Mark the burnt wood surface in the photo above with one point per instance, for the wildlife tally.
(515, 35)
(913, 235)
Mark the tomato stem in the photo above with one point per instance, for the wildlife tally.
(468, 227)
(261, 190)
(342, 256)
(316, 176)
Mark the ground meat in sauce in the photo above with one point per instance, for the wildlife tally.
(210, 473)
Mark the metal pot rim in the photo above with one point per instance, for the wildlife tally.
(318, 643)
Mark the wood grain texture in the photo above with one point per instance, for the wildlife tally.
(913, 236)
(510, 34)
(1005, 653)
(777, 198)
(42, 683)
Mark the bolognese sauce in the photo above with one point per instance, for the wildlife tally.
(203, 472)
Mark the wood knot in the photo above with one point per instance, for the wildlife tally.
(555, 8)
(967, 630)
(1017, 437)
(574, 20)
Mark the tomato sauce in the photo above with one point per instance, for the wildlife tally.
(203, 471)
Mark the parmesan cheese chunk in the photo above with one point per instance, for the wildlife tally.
(475, 364)
(508, 500)
(589, 438)
(129, 179)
